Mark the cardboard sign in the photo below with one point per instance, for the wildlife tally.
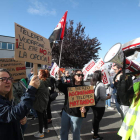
(81, 96)
(31, 47)
(16, 68)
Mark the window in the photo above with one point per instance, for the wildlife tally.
(29, 65)
(10, 46)
(0, 45)
(4, 45)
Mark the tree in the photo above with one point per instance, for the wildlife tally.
(78, 49)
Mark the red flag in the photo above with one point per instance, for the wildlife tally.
(58, 32)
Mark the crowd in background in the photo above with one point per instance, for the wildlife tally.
(33, 96)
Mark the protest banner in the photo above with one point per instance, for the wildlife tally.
(81, 96)
(88, 68)
(54, 69)
(31, 47)
(16, 68)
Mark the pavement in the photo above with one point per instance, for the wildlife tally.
(109, 125)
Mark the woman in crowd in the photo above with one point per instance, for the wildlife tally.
(71, 117)
(100, 96)
(41, 103)
(51, 83)
(13, 116)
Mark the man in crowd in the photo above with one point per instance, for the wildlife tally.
(123, 94)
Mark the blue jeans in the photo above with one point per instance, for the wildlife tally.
(108, 102)
(116, 103)
(68, 121)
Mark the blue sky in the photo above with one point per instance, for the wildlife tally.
(111, 21)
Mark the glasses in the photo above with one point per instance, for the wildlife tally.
(79, 75)
(5, 79)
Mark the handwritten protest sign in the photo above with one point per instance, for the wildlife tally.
(54, 69)
(16, 68)
(31, 47)
(81, 96)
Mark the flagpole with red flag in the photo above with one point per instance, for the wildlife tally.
(58, 33)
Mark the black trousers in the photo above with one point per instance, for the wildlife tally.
(42, 120)
(98, 113)
(49, 114)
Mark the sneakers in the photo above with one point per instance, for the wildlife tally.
(97, 138)
(46, 130)
(92, 131)
(111, 108)
(106, 106)
(39, 135)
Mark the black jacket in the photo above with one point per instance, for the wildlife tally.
(42, 96)
(11, 115)
(123, 94)
(71, 111)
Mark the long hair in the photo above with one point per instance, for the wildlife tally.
(96, 77)
(9, 95)
(43, 74)
(47, 73)
(73, 79)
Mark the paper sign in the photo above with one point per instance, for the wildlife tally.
(54, 69)
(31, 47)
(106, 76)
(81, 96)
(16, 68)
(98, 65)
(88, 68)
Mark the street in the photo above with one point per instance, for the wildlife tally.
(109, 125)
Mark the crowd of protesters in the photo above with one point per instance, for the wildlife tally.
(35, 100)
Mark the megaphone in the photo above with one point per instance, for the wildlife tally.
(115, 55)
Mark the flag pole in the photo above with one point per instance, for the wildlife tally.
(60, 53)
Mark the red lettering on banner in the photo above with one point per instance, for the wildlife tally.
(43, 51)
(88, 68)
(81, 102)
(105, 80)
(20, 68)
(81, 92)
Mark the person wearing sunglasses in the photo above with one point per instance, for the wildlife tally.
(13, 116)
(71, 117)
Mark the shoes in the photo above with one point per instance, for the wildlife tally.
(106, 106)
(33, 118)
(111, 108)
(92, 131)
(49, 122)
(46, 130)
(97, 138)
(39, 135)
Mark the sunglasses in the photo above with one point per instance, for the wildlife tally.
(79, 75)
(5, 79)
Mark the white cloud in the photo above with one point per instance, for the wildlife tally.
(39, 8)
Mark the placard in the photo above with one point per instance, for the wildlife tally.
(81, 96)
(16, 68)
(31, 47)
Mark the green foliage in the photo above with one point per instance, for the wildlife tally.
(78, 49)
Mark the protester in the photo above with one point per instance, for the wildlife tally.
(51, 85)
(123, 95)
(41, 103)
(67, 77)
(130, 126)
(30, 74)
(71, 117)
(13, 116)
(99, 108)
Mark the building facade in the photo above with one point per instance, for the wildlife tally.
(7, 45)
